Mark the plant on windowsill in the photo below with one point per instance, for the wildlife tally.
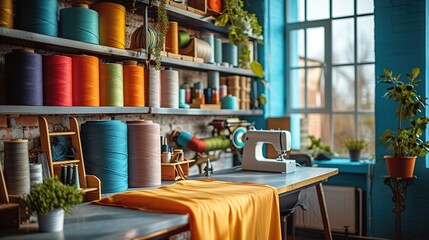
(405, 142)
(355, 146)
(49, 200)
(318, 150)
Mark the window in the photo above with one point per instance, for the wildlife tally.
(330, 71)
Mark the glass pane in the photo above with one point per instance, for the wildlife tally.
(318, 126)
(317, 9)
(366, 87)
(296, 11)
(343, 128)
(366, 131)
(296, 49)
(315, 46)
(343, 88)
(342, 41)
(341, 8)
(365, 6)
(297, 88)
(365, 36)
(315, 87)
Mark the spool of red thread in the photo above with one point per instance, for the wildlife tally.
(57, 81)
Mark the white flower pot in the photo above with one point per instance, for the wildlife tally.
(52, 221)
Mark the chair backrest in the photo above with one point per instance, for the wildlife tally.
(304, 159)
(4, 198)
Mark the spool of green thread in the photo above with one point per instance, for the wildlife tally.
(111, 85)
(184, 39)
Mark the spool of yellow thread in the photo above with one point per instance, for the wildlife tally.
(172, 38)
(6, 13)
(133, 84)
(111, 24)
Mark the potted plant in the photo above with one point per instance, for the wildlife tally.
(405, 142)
(318, 150)
(355, 146)
(49, 200)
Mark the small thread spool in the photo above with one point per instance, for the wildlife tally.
(203, 49)
(36, 175)
(229, 102)
(218, 50)
(166, 157)
(169, 88)
(171, 38)
(213, 79)
(154, 87)
(6, 13)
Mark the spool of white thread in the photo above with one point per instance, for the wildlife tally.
(169, 88)
(154, 87)
(36, 175)
(144, 167)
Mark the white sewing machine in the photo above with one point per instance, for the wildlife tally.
(253, 157)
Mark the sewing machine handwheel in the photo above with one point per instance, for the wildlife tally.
(237, 137)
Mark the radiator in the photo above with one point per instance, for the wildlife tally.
(344, 205)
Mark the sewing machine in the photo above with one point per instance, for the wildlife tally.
(253, 157)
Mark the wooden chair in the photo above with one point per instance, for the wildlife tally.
(9, 212)
(90, 184)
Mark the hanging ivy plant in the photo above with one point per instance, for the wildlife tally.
(161, 27)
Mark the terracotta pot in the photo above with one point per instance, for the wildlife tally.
(400, 167)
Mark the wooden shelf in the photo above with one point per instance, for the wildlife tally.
(65, 161)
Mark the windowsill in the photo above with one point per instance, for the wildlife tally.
(344, 165)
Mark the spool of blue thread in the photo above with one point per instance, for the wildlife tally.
(79, 23)
(208, 95)
(218, 50)
(105, 147)
(183, 139)
(39, 16)
(229, 102)
(213, 79)
(24, 78)
(182, 99)
(230, 54)
(209, 37)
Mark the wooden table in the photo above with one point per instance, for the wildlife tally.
(104, 222)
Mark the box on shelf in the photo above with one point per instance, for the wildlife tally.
(175, 171)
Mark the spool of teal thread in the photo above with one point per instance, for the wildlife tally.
(229, 102)
(218, 50)
(209, 37)
(230, 54)
(79, 24)
(39, 16)
(184, 38)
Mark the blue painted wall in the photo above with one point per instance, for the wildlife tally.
(400, 44)
(271, 15)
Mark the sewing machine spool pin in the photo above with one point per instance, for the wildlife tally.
(253, 157)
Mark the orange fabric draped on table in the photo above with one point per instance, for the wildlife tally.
(217, 209)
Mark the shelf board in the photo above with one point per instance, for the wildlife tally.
(51, 110)
(205, 112)
(205, 66)
(35, 40)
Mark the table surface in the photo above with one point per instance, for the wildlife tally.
(91, 221)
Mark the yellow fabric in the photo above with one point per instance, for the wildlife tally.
(217, 209)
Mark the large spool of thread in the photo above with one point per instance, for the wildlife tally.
(209, 38)
(111, 85)
(213, 80)
(169, 88)
(36, 174)
(144, 155)
(105, 147)
(6, 13)
(154, 87)
(230, 54)
(39, 16)
(24, 78)
(133, 84)
(218, 50)
(186, 140)
(17, 167)
(172, 39)
(203, 49)
(111, 24)
(57, 81)
(86, 84)
(79, 23)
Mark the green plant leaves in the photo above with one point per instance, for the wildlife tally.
(257, 69)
